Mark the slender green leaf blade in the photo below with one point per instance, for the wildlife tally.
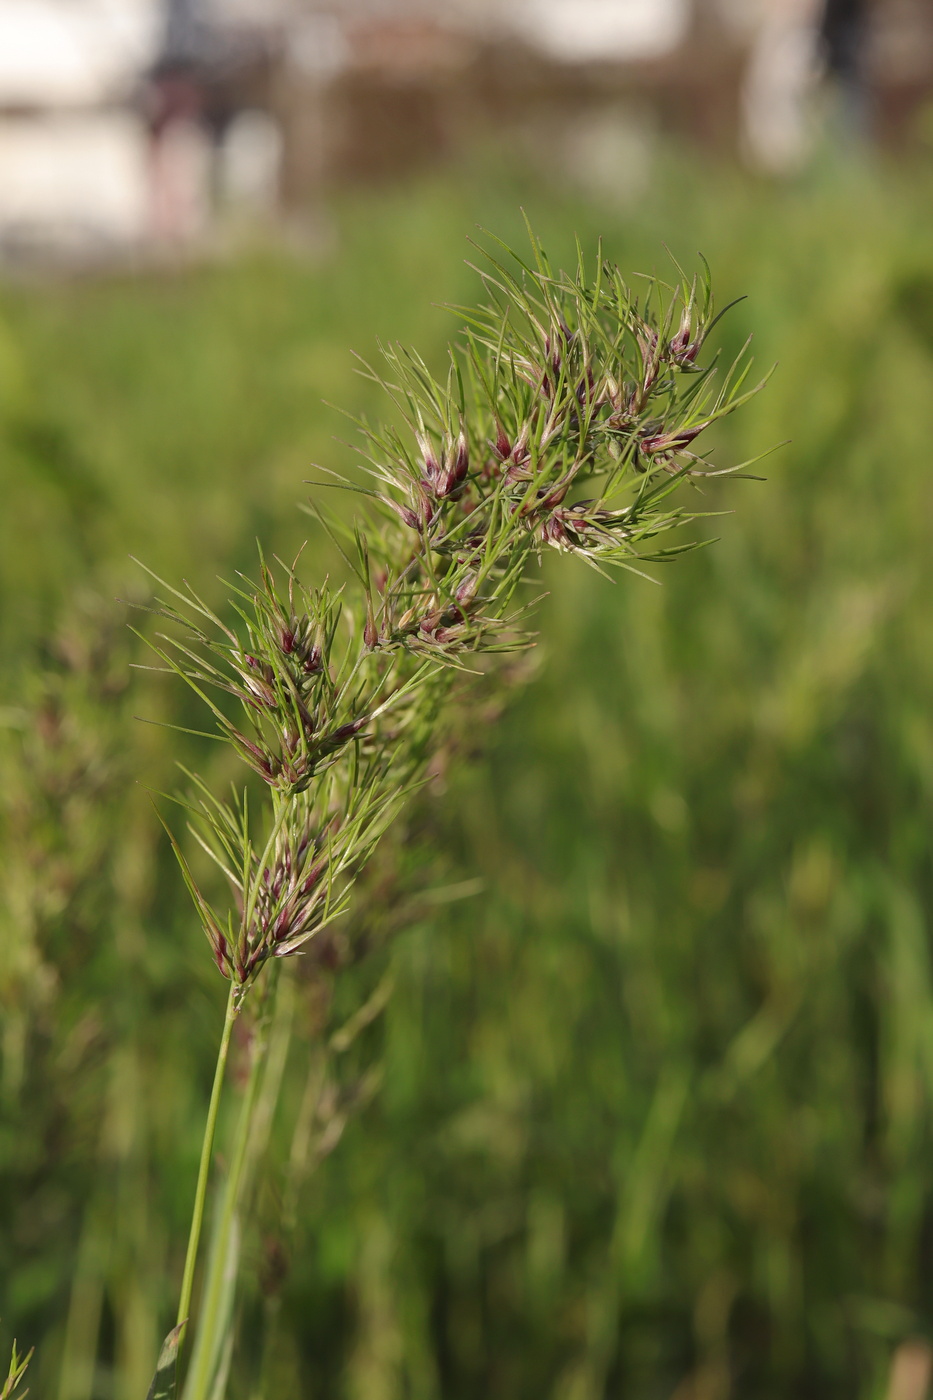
(163, 1382)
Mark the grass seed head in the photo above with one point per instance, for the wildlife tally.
(568, 417)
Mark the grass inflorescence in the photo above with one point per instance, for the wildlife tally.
(569, 418)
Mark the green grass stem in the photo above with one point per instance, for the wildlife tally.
(269, 1050)
(207, 1148)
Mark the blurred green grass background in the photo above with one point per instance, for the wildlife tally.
(655, 1106)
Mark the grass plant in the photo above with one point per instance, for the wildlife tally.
(18, 1367)
(568, 418)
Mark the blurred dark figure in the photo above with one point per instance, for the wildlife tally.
(173, 102)
(843, 38)
(177, 82)
(205, 75)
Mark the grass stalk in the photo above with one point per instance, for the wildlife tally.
(207, 1150)
(346, 696)
(269, 1048)
(299, 1165)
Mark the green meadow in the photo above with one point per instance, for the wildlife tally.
(648, 1112)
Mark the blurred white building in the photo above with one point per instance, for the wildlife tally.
(123, 122)
(72, 54)
(602, 30)
(80, 175)
(72, 158)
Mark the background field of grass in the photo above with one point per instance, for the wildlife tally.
(656, 1103)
